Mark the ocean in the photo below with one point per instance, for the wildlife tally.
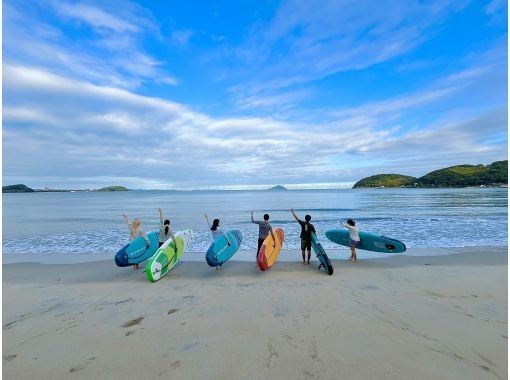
(82, 223)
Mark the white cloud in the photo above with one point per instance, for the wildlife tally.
(308, 41)
(69, 126)
(107, 51)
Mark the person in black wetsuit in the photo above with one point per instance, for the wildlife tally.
(307, 229)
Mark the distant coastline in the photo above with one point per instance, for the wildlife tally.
(20, 188)
(493, 175)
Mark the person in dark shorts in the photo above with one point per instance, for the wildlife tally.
(354, 238)
(264, 230)
(307, 229)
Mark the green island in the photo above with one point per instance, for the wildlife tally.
(493, 175)
(20, 188)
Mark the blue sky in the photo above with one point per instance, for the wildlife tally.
(245, 94)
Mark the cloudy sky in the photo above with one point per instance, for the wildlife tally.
(216, 94)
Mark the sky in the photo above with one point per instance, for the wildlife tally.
(247, 94)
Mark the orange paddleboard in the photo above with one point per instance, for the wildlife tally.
(270, 249)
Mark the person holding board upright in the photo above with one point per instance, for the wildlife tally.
(307, 229)
(165, 232)
(135, 230)
(264, 230)
(353, 237)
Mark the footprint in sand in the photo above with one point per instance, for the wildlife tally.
(171, 311)
(130, 332)
(8, 358)
(133, 322)
(176, 364)
(81, 366)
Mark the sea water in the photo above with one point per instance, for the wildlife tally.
(91, 222)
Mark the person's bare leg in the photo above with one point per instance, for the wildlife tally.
(303, 254)
(309, 255)
(353, 253)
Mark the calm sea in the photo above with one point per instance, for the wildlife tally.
(82, 223)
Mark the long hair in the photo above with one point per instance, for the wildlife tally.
(215, 224)
(351, 222)
(166, 223)
(307, 218)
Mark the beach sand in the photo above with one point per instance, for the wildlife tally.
(441, 317)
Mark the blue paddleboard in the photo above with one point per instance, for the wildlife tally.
(220, 251)
(135, 251)
(321, 255)
(368, 241)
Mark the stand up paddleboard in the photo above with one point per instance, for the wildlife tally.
(168, 255)
(321, 255)
(368, 241)
(270, 249)
(136, 250)
(223, 247)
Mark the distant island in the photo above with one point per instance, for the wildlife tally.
(278, 187)
(113, 188)
(17, 189)
(493, 175)
(20, 188)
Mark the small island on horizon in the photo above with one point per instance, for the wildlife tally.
(277, 188)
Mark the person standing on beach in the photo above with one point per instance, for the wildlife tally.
(264, 230)
(353, 237)
(307, 229)
(135, 230)
(165, 231)
(216, 230)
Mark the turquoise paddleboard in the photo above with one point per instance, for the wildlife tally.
(321, 255)
(368, 241)
(223, 247)
(136, 250)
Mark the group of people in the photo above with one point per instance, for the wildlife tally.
(307, 229)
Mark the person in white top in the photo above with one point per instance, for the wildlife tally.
(216, 230)
(135, 230)
(353, 237)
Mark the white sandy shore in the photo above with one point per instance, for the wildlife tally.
(397, 318)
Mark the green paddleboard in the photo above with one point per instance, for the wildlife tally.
(167, 255)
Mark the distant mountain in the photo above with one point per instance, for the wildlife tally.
(495, 174)
(20, 188)
(278, 187)
(386, 180)
(113, 188)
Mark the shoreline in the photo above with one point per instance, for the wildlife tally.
(385, 318)
(287, 255)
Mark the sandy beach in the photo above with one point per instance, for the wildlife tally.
(441, 317)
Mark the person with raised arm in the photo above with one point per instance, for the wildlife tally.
(264, 230)
(165, 232)
(135, 231)
(307, 229)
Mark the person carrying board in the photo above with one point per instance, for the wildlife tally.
(165, 232)
(307, 229)
(264, 230)
(353, 237)
(135, 230)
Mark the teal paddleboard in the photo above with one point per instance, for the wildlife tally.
(368, 241)
(321, 255)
